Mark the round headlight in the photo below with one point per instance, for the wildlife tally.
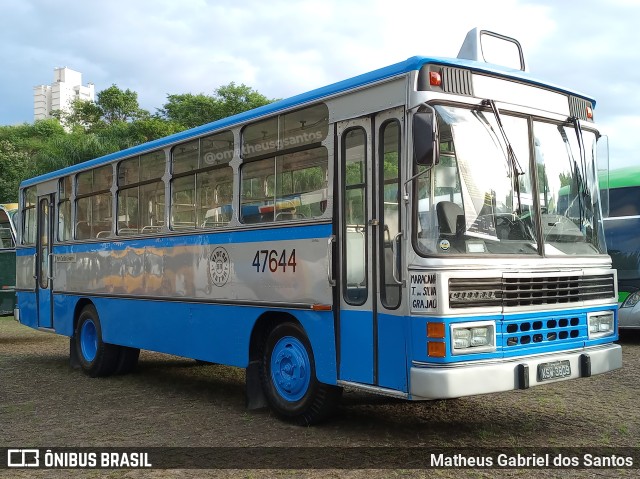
(631, 300)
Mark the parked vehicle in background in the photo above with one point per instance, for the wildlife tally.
(7, 259)
(622, 231)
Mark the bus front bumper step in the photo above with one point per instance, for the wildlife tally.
(452, 381)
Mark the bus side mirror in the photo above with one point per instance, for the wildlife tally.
(425, 144)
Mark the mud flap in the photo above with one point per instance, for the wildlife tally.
(255, 395)
(74, 361)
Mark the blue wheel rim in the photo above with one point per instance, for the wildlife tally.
(89, 340)
(290, 368)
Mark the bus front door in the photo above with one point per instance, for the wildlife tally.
(44, 266)
(372, 333)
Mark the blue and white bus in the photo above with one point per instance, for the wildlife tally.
(397, 232)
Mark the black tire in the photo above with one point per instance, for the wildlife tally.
(288, 377)
(127, 360)
(96, 357)
(200, 362)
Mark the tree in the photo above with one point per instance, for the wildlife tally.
(82, 114)
(114, 122)
(119, 106)
(112, 106)
(15, 165)
(152, 128)
(191, 110)
(234, 99)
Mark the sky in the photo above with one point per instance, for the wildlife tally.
(282, 48)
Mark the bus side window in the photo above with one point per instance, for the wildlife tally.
(83, 230)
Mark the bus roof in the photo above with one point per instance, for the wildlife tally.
(397, 69)
(624, 177)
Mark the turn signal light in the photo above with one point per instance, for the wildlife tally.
(436, 350)
(435, 330)
(435, 79)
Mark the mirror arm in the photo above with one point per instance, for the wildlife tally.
(405, 196)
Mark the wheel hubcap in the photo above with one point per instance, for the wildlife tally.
(89, 340)
(290, 368)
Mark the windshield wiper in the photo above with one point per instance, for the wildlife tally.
(514, 165)
(578, 171)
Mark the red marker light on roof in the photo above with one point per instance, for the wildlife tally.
(589, 113)
(435, 79)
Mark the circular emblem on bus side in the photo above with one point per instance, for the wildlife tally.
(219, 266)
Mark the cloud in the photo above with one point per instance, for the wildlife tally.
(591, 50)
(282, 48)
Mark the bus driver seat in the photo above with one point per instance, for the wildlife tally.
(448, 213)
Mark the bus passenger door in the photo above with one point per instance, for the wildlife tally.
(44, 266)
(371, 332)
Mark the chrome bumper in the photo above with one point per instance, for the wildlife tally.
(452, 381)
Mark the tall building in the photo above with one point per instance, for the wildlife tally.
(67, 86)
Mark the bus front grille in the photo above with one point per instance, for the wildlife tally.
(510, 292)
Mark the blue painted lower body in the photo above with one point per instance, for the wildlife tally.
(519, 334)
(209, 332)
(357, 353)
(221, 334)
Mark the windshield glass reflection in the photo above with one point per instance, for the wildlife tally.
(480, 198)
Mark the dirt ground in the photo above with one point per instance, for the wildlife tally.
(174, 402)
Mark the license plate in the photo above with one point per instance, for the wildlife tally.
(554, 370)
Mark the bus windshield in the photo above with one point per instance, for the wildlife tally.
(479, 199)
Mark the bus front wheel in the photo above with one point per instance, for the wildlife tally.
(96, 357)
(289, 378)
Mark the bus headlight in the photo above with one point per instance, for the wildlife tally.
(631, 300)
(601, 324)
(470, 338)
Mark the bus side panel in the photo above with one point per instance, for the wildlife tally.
(356, 336)
(63, 307)
(321, 332)
(210, 332)
(27, 303)
(392, 352)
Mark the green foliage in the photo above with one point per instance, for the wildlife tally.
(152, 128)
(117, 105)
(114, 122)
(233, 99)
(565, 179)
(83, 115)
(112, 106)
(14, 166)
(191, 110)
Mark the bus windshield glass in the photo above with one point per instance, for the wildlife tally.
(479, 199)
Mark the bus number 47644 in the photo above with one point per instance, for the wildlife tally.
(274, 260)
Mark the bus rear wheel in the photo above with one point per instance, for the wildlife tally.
(96, 357)
(288, 377)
